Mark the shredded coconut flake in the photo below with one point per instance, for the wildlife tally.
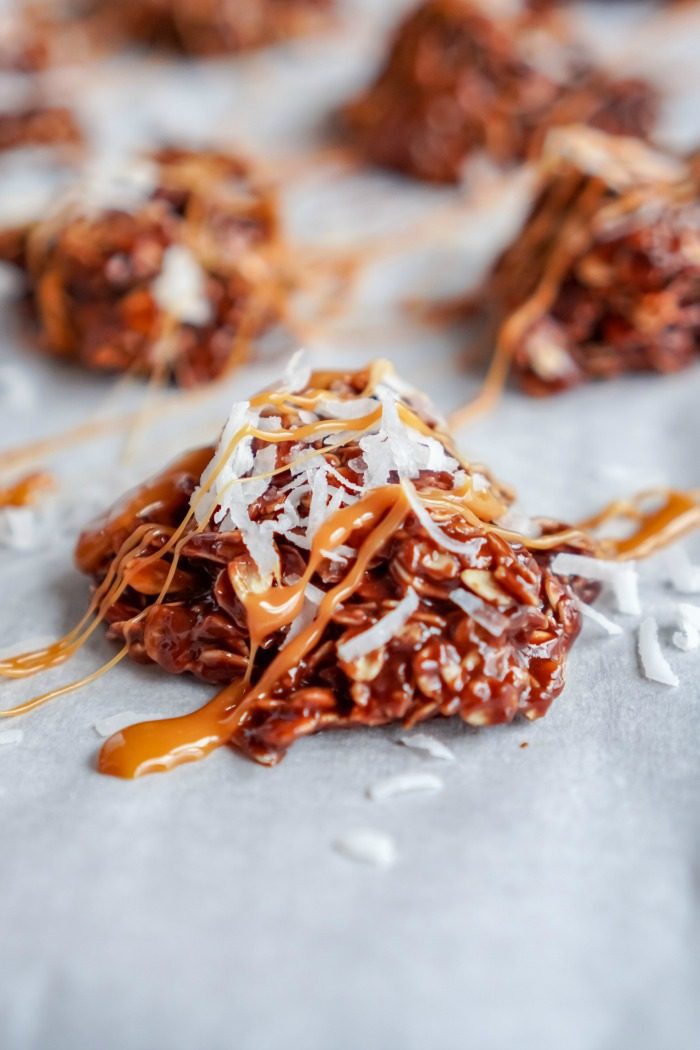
(515, 520)
(380, 633)
(468, 548)
(404, 784)
(297, 373)
(392, 450)
(314, 594)
(683, 576)
(622, 577)
(180, 288)
(340, 554)
(596, 617)
(303, 620)
(654, 664)
(330, 407)
(427, 744)
(367, 846)
(688, 637)
(11, 736)
(481, 612)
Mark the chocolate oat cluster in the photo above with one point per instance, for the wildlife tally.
(39, 125)
(24, 45)
(339, 553)
(458, 80)
(211, 27)
(168, 265)
(604, 276)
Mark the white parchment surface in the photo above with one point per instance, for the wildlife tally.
(549, 896)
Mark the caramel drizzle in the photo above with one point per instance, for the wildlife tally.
(27, 491)
(132, 559)
(571, 238)
(155, 746)
(528, 277)
(674, 517)
(158, 746)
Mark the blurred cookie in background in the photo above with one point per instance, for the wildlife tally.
(458, 81)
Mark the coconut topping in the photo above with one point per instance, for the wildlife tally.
(180, 288)
(245, 462)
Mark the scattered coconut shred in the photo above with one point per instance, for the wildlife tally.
(687, 637)
(380, 633)
(239, 472)
(367, 846)
(428, 745)
(11, 736)
(683, 576)
(596, 617)
(622, 579)
(654, 664)
(404, 784)
(180, 288)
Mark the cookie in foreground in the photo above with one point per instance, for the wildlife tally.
(332, 563)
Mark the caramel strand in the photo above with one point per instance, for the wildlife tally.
(27, 490)
(676, 516)
(158, 746)
(570, 239)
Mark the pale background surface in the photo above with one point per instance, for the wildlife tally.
(548, 898)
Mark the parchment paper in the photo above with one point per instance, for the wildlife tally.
(549, 896)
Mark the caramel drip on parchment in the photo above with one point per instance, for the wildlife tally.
(675, 516)
(27, 491)
(158, 746)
